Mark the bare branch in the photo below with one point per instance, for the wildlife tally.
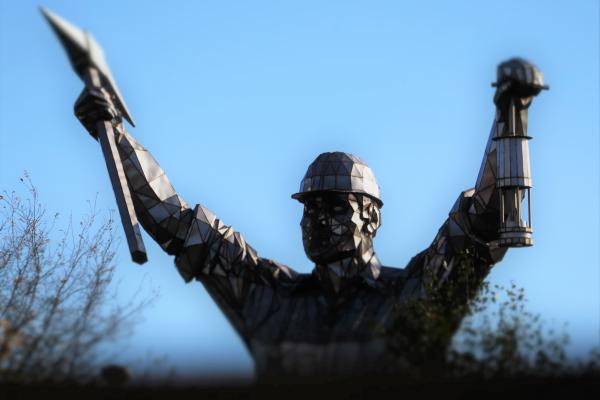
(56, 299)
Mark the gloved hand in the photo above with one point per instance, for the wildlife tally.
(95, 105)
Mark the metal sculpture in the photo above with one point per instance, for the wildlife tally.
(337, 319)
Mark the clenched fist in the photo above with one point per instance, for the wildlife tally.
(95, 105)
(520, 80)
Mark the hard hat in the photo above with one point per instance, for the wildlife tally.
(520, 70)
(339, 172)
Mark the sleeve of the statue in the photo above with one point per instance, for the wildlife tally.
(463, 238)
(213, 248)
(455, 242)
(161, 211)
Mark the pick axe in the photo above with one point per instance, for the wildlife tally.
(88, 61)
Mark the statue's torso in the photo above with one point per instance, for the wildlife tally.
(301, 329)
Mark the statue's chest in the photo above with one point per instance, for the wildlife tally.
(308, 335)
(314, 318)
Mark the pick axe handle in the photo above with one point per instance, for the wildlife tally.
(106, 136)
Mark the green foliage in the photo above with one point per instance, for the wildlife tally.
(501, 338)
(467, 329)
(426, 325)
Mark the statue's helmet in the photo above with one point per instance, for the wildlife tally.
(523, 72)
(339, 172)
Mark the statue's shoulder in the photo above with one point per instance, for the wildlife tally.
(276, 273)
(391, 276)
(399, 282)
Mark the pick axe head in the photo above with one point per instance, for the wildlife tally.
(84, 53)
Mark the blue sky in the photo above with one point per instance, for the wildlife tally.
(235, 99)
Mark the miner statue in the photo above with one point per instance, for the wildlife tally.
(339, 318)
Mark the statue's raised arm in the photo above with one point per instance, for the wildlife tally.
(162, 213)
(205, 248)
(494, 215)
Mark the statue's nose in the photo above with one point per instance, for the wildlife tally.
(322, 218)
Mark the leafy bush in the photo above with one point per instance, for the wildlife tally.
(444, 335)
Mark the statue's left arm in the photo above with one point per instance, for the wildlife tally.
(467, 245)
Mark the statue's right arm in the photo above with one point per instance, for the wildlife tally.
(161, 211)
(164, 215)
(202, 243)
(205, 248)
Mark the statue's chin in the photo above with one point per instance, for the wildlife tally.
(326, 256)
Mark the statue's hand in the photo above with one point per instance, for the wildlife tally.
(518, 80)
(95, 105)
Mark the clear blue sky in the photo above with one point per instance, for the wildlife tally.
(235, 99)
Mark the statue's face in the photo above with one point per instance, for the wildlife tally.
(332, 226)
